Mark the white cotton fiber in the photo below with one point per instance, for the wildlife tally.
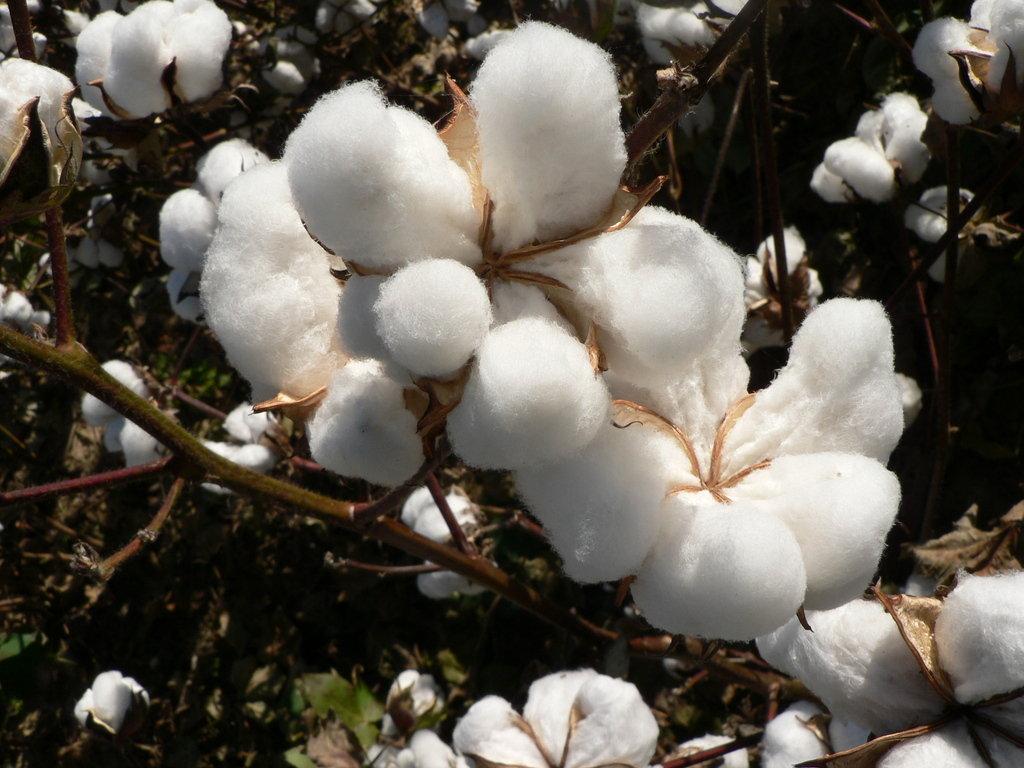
(138, 445)
(549, 706)
(362, 429)
(910, 398)
(1007, 31)
(845, 735)
(20, 82)
(443, 585)
(830, 186)
(430, 752)
(97, 413)
(678, 26)
(422, 515)
(788, 740)
(200, 34)
(514, 300)
(949, 747)
(434, 20)
(182, 293)
(981, 14)
(927, 217)
(864, 169)
(856, 662)
(246, 426)
(931, 55)
(432, 315)
(617, 727)
(356, 328)
(267, 290)
(602, 508)
(980, 636)
(551, 147)
(726, 572)
(112, 434)
(532, 397)
(838, 392)
(139, 53)
(93, 47)
(839, 507)
(92, 252)
(223, 164)
(903, 124)
(375, 184)
(187, 223)
(478, 47)
(736, 759)
(489, 731)
(796, 249)
(258, 458)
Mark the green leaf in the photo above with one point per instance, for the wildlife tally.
(451, 668)
(12, 645)
(297, 758)
(353, 704)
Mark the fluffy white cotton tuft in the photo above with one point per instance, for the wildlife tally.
(356, 328)
(729, 572)
(111, 700)
(246, 426)
(931, 55)
(489, 731)
(478, 47)
(901, 128)
(362, 428)
(187, 223)
(92, 252)
(790, 738)
(375, 184)
(679, 26)
(980, 636)
(602, 508)
(949, 747)
(138, 445)
(856, 662)
(532, 397)
(551, 147)
(927, 217)
(93, 48)
(198, 37)
(20, 82)
(617, 727)
(1006, 24)
(865, 170)
(97, 413)
(223, 164)
(432, 315)
(267, 290)
(139, 53)
(258, 458)
(830, 186)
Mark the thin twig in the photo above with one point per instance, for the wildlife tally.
(712, 753)
(61, 281)
(145, 536)
(22, 24)
(458, 535)
(179, 394)
(381, 570)
(723, 149)
(888, 29)
(90, 482)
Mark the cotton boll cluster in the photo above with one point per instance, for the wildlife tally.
(293, 62)
(130, 54)
(114, 705)
(436, 16)
(119, 434)
(414, 700)
(188, 219)
(736, 759)
(422, 514)
(762, 293)
(927, 218)
(344, 15)
(885, 152)
(8, 43)
(571, 719)
(796, 735)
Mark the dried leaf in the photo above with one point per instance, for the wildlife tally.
(867, 755)
(282, 400)
(331, 748)
(915, 618)
(968, 546)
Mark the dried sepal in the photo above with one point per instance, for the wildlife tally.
(459, 134)
(594, 351)
(282, 401)
(441, 398)
(969, 547)
(627, 413)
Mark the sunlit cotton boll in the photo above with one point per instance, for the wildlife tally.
(93, 48)
(97, 413)
(551, 147)
(187, 223)
(199, 36)
(980, 635)
(790, 738)
(223, 164)
(532, 397)
(931, 55)
(139, 53)
(901, 128)
(267, 290)
(949, 747)
(114, 703)
(866, 171)
(362, 428)
(375, 184)
(432, 315)
(1006, 24)
(727, 572)
(357, 321)
(478, 47)
(20, 82)
(830, 187)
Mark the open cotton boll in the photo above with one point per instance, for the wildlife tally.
(728, 572)
(862, 168)
(424, 517)
(20, 82)
(678, 26)
(839, 507)
(617, 727)
(931, 55)
(187, 222)
(139, 53)
(432, 315)
(375, 184)
(430, 752)
(181, 290)
(489, 730)
(532, 397)
(138, 445)
(830, 187)
(602, 508)
(736, 759)
(200, 34)
(790, 738)
(223, 164)
(343, 15)
(549, 706)
(110, 700)
(93, 56)
(514, 300)
(796, 249)
(1006, 29)
(949, 747)
(903, 124)
(980, 636)
(478, 47)
(267, 290)
(858, 665)
(97, 413)
(362, 428)
(981, 14)
(551, 147)
(830, 396)
(246, 426)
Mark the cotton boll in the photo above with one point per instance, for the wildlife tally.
(223, 164)
(478, 47)
(602, 508)
(246, 426)
(138, 445)
(343, 15)
(981, 14)
(430, 752)
(443, 585)
(489, 731)
(678, 26)
(856, 662)
(91, 252)
(20, 82)
(728, 572)
(532, 397)
(182, 291)
(830, 396)
(735, 759)
(1006, 24)
(927, 217)
(200, 34)
(110, 700)
(845, 735)
(617, 727)
(97, 413)
(949, 747)
(375, 184)
(187, 223)
(830, 187)
(432, 315)
(980, 636)
(789, 739)
(362, 428)
(93, 48)
(267, 290)
(427, 520)
(839, 507)
(796, 249)
(286, 77)
(910, 398)
(258, 458)
(356, 327)
(866, 171)
(549, 706)
(551, 147)
(139, 53)
(903, 125)
(931, 55)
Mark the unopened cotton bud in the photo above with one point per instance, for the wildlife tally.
(98, 413)
(114, 703)
(187, 222)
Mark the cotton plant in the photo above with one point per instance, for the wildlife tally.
(156, 56)
(422, 514)
(248, 447)
(762, 292)
(928, 219)
(8, 43)
(188, 219)
(343, 16)
(577, 719)
(738, 758)
(437, 16)
(886, 152)
(291, 52)
(976, 66)
(804, 731)
(114, 705)
(119, 434)
(927, 676)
